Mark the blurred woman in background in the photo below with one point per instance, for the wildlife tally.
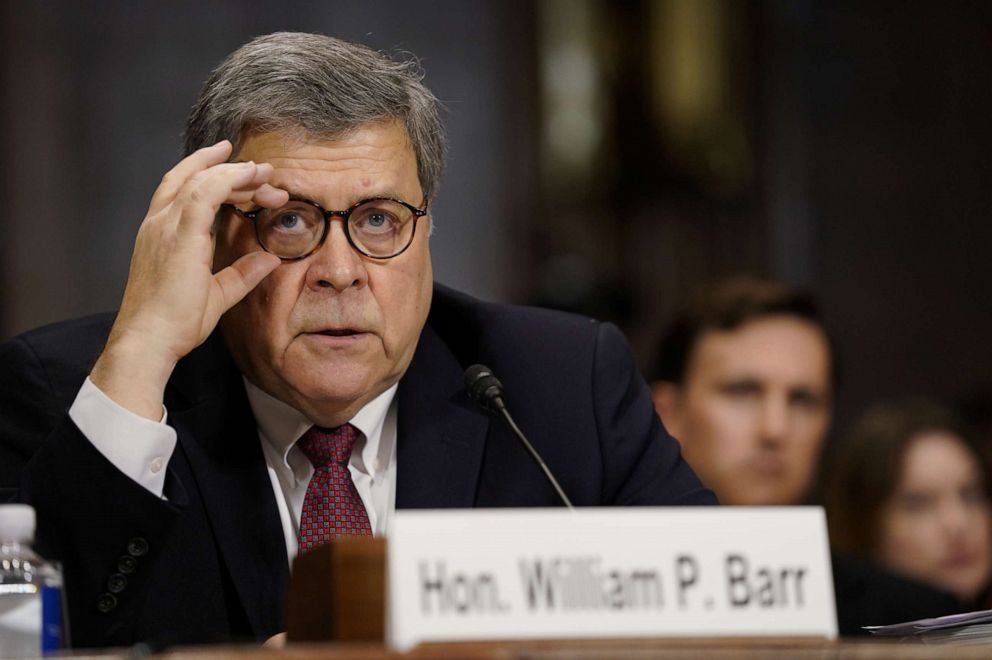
(907, 489)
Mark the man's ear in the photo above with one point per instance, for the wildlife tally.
(667, 399)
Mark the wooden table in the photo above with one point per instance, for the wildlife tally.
(637, 649)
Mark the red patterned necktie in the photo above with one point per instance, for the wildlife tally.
(332, 506)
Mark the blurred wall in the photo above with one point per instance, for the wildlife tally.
(898, 99)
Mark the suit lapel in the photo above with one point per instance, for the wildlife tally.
(440, 432)
(218, 434)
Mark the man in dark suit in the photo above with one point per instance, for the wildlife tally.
(745, 378)
(283, 370)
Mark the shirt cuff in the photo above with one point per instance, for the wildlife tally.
(138, 447)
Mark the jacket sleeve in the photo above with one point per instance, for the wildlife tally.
(642, 463)
(104, 528)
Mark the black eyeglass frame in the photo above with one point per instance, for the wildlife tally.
(417, 214)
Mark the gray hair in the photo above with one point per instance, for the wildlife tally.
(311, 85)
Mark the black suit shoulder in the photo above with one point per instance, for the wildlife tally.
(571, 383)
(476, 330)
(42, 370)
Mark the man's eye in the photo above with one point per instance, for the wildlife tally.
(916, 502)
(375, 221)
(741, 389)
(291, 221)
(288, 220)
(807, 399)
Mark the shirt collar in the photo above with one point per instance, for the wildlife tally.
(282, 424)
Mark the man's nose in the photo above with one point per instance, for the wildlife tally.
(773, 422)
(336, 265)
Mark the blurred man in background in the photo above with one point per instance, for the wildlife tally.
(745, 380)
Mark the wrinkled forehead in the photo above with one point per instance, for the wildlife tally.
(292, 135)
(371, 160)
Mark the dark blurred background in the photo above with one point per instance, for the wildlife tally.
(606, 157)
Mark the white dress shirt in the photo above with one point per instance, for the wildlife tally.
(372, 465)
(141, 449)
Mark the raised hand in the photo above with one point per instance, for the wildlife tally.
(173, 300)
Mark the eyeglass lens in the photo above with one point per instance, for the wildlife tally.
(378, 227)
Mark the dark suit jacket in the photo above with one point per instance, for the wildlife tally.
(869, 595)
(210, 562)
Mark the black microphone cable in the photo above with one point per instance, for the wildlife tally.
(486, 390)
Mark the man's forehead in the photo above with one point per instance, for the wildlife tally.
(364, 140)
(375, 159)
(781, 346)
(291, 137)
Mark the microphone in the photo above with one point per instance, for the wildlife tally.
(485, 389)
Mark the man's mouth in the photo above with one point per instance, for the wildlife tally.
(346, 332)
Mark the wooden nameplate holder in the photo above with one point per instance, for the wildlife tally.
(337, 592)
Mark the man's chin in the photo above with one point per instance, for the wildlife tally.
(341, 392)
(762, 494)
(331, 397)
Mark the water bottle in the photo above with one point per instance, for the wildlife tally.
(30, 589)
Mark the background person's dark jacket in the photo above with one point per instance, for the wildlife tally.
(869, 595)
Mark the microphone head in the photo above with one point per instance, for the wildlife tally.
(483, 387)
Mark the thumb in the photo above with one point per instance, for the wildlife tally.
(235, 281)
(277, 641)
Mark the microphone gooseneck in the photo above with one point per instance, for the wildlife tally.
(485, 389)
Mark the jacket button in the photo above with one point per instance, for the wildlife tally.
(106, 603)
(127, 564)
(116, 583)
(137, 546)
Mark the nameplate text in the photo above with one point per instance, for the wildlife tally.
(634, 572)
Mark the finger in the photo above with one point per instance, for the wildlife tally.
(235, 281)
(247, 193)
(269, 196)
(175, 178)
(265, 195)
(241, 192)
(263, 172)
(201, 198)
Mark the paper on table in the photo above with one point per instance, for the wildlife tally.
(938, 623)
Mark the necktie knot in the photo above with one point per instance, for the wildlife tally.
(332, 506)
(324, 447)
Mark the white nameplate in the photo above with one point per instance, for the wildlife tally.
(632, 572)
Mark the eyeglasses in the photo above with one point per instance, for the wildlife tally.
(379, 228)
